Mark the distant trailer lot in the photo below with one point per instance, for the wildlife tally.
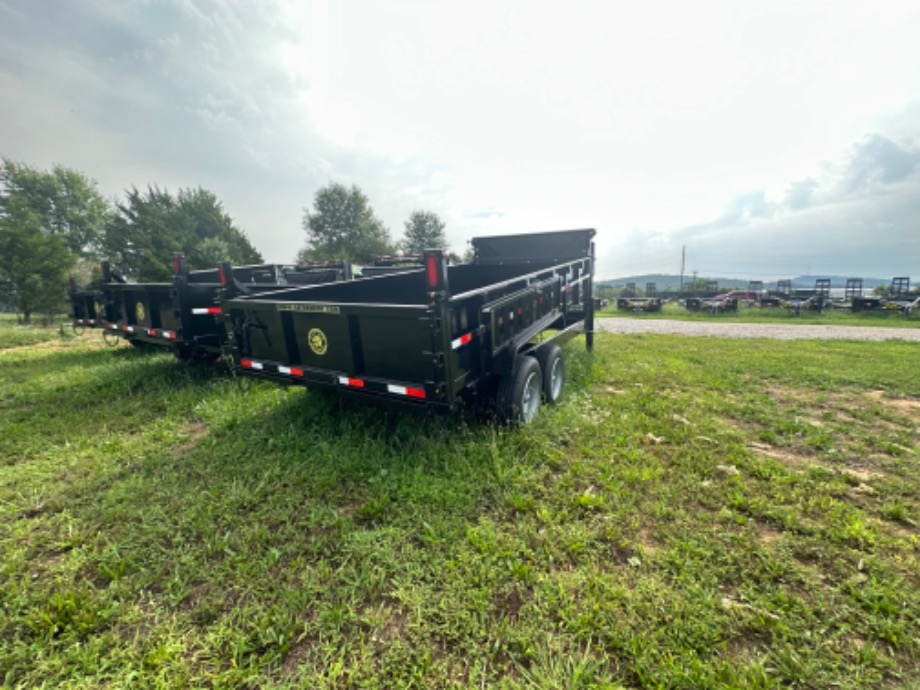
(777, 331)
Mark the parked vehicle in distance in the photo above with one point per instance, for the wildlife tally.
(748, 296)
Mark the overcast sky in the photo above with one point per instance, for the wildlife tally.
(769, 138)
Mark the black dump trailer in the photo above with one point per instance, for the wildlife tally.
(181, 315)
(439, 336)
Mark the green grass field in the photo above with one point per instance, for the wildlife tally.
(14, 334)
(696, 513)
(745, 314)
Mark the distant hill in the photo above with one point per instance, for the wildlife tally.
(665, 281)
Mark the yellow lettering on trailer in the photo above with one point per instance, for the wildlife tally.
(139, 311)
(309, 308)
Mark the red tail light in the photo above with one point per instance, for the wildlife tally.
(221, 276)
(431, 266)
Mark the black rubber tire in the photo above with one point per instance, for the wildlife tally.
(553, 368)
(519, 393)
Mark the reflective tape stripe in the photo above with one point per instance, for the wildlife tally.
(461, 341)
(290, 371)
(249, 364)
(205, 310)
(354, 383)
(405, 390)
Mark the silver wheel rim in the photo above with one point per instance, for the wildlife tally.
(530, 400)
(556, 378)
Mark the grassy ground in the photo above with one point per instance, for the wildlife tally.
(745, 314)
(695, 513)
(14, 334)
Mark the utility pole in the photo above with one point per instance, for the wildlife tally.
(683, 261)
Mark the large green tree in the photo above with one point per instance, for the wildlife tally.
(64, 202)
(424, 230)
(33, 263)
(150, 227)
(342, 225)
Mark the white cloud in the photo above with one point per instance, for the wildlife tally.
(639, 119)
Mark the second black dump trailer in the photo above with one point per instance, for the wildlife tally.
(180, 315)
(437, 336)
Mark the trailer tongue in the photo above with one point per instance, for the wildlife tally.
(439, 336)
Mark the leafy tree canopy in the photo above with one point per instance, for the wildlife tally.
(33, 263)
(424, 230)
(342, 225)
(63, 202)
(150, 227)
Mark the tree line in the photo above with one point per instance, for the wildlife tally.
(54, 223)
(342, 225)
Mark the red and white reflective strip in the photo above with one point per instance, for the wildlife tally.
(290, 371)
(250, 364)
(353, 383)
(129, 329)
(205, 310)
(461, 341)
(113, 326)
(406, 390)
(169, 335)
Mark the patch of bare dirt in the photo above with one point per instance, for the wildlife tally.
(647, 541)
(767, 535)
(196, 431)
(783, 455)
(509, 602)
(903, 405)
(297, 653)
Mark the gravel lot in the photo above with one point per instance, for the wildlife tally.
(779, 331)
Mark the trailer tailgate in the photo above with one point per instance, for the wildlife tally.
(325, 341)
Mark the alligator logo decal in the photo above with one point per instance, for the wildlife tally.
(317, 340)
(140, 311)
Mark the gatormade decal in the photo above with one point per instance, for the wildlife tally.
(317, 340)
(309, 308)
(139, 310)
